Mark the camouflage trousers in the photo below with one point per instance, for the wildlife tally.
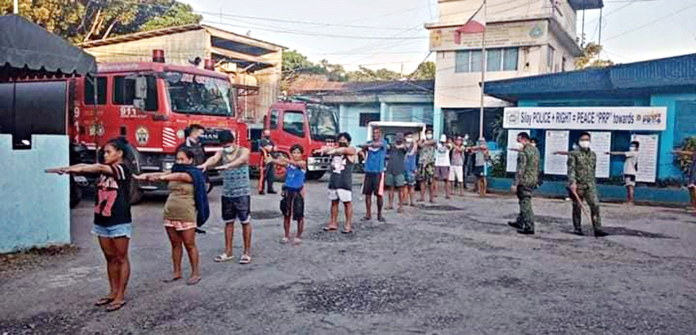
(526, 216)
(589, 194)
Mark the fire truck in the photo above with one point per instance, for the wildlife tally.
(308, 124)
(151, 104)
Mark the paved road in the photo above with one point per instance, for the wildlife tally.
(449, 268)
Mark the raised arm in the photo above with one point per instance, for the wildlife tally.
(562, 153)
(239, 161)
(212, 161)
(83, 169)
(177, 176)
(616, 153)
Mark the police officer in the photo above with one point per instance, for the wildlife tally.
(525, 181)
(582, 163)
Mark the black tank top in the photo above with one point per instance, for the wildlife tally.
(341, 173)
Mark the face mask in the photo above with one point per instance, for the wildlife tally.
(633, 149)
(533, 144)
(429, 136)
(584, 144)
(466, 137)
(342, 144)
(228, 150)
(409, 140)
(519, 146)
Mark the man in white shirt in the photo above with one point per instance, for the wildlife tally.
(630, 170)
(442, 163)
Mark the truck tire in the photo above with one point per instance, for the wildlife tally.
(315, 175)
(75, 193)
(136, 194)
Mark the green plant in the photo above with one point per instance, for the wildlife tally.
(498, 169)
(683, 162)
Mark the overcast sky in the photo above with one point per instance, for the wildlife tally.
(340, 30)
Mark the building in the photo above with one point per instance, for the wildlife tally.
(359, 103)
(667, 86)
(254, 66)
(523, 38)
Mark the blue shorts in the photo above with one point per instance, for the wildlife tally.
(119, 230)
(410, 177)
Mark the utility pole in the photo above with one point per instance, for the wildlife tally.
(16, 6)
(483, 69)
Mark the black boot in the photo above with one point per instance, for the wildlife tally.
(600, 233)
(515, 224)
(525, 231)
(578, 232)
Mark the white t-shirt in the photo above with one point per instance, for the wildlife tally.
(442, 155)
(631, 162)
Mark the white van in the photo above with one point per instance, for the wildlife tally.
(390, 129)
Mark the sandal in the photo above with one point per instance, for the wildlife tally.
(285, 240)
(114, 307)
(346, 231)
(246, 259)
(103, 301)
(171, 280)
(193, 280)
(224, 258)
(330, 228)
(297, 241)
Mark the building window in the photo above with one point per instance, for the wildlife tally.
(505, 59)
(293, 123)
(563, 64)
(550, 57)
(101, 91)
(366, 118)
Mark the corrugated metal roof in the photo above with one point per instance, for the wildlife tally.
(654, 75)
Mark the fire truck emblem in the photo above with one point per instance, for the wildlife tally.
(142, 135)
(181, 134)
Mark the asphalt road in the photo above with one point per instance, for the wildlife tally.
(450, 268)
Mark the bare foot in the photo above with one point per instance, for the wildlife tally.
(173, 279)
(400, 210)
(389, 208)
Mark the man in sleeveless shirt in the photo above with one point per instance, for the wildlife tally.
(341, 181)
(236, 196)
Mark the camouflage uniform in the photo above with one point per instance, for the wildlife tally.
(426, 164)
(526, 180)
(582, 164)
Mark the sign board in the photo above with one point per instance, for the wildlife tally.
(556, 140)
(511, 165)
(647, 157)
(587, 118)
(509, 34)
(600, 144)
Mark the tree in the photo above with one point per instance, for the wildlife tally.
(590, 57)
(425, 71)
(86, 20)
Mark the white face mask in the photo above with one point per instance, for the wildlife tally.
(429, 136)
(518, 146)
(409, 140)
(633, 149)
(466, 137)
(584, 144)
(533, 144)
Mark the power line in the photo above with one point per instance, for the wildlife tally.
(679, 11)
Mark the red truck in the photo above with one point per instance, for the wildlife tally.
(308, 124)
(151, 104)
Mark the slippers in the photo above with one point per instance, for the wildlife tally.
(114, 307)
(330, 229)
(285, 240)
(103, 301)
(346, 231)
(193, 280)
(171, 280)
(297, 241)
(224, 258)
(246, 259)
(366, 218)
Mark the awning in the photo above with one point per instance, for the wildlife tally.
(25, 45)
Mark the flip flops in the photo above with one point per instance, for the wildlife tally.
(224, 258)
(246, 259)
(330, 228)
(103, 301)
(115, 306)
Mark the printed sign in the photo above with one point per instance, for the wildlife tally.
(647, 157)
(587, 118)
(600, 144)
(556, 140)
(512, 154)
(510, 34)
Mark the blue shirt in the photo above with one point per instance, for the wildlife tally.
(294, 177)
(410, 163)
(375, 158)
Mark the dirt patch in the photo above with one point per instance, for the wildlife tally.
(362, 295)
(34, 258)
(632, 232)
(266, 215)
(438, 208)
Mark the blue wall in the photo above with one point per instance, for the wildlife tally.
(349, 116)
(667, 143)
(34, 211)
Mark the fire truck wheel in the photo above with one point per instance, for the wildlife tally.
(315, 175)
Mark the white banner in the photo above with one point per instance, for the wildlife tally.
(600, 144)
(647, 157)
(512, 154)
(556, 140)
(587, 118)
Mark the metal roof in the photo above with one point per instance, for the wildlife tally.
(586, 4)
(674, 74)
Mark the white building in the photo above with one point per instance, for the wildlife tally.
(523, 38)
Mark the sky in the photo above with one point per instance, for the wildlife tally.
(391, 34)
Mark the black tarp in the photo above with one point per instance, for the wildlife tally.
(24, 44)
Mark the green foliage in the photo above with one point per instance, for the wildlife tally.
(365, 74)
(590, 57)
(425, 71)
(498, 168)
(499, 133)
(84, 20)
(683, 162)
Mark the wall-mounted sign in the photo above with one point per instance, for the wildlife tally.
(512, 154)
(587, 118)
(509, 34)
(600, 144)
(556, 140)
(647, 157)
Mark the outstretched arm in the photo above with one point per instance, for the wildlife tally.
(239, 161)
(616, 153)
(83, 169)
(212, 161)
(178, 176)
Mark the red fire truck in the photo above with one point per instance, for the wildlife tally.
(151, 104)
(308, 124)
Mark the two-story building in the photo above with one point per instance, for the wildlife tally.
(522, 38)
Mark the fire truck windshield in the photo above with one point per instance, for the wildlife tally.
(322, 122)
(195, 94)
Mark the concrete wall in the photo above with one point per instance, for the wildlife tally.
(34, 211)
(461, 10)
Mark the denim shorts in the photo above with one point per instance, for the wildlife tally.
(119, 230)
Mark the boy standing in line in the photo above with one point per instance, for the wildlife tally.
(395, 171)
(374, 174)
(410, 169)
(630, 170)
(456, 173)
(292, 202)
